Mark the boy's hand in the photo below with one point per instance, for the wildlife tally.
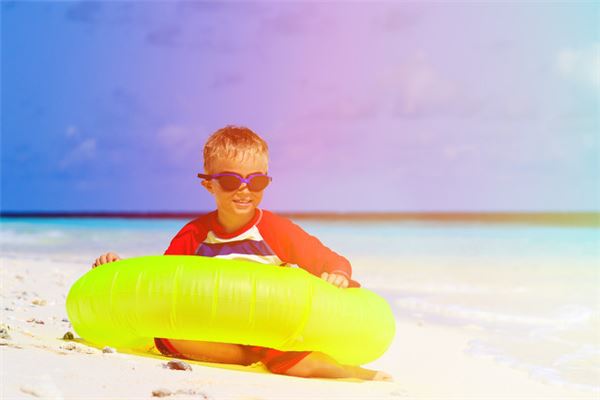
(336, 280)
(105, 258)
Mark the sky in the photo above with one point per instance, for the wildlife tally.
(366, 106)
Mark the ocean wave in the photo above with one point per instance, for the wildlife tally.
(12, 237)
(566, 316)
(441, 288)
(556, 374)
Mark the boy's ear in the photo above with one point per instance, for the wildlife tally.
(207, 185)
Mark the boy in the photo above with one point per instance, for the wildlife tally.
(235, 166)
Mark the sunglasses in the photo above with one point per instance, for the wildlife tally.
(230, 181)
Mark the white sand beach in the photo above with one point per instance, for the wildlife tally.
(482, 312)
(428, 361)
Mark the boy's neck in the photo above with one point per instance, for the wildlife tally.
(232, 223)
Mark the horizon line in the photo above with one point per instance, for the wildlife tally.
(562, 218)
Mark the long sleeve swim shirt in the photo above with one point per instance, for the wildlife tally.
(267, 239)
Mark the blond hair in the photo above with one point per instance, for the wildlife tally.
(233, 142)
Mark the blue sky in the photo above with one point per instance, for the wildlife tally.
(366, 106)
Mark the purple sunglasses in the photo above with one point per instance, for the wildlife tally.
(231, 181)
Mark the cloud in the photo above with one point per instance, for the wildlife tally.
(458, 152)
(418, 89)
(245, 8)
(288, 23)
(179, 144)
(226, 80)
(108, 13)
(168, 36)
(219, 27)
(185, 7)
(126, 102)
(341, 106)
(198, 34)
(84, 11)
(581, 65)
(9, 5)
(518, 104)
(71, 131)
(298, 19)
(421, 89)
(81, 153)
(399, 17)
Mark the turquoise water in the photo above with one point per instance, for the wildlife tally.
(529, 295)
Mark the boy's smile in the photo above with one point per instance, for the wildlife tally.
(236, 208)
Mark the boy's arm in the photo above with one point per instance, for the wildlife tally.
(293, 245)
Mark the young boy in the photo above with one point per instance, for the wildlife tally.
(235, 166)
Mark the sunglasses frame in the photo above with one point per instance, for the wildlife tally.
(241, 178)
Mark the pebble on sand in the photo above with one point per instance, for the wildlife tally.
(178, 365)
(39, 302)
(4, 331)
(30, 390)
(37, 321)
(68, 336)
(69, 346)
(189, 392)
(161, 393)
(108, 349)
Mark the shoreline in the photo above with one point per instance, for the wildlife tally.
(558, 219)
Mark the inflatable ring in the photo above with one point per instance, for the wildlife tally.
(125, 304)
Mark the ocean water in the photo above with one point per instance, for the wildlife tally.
(529, 296)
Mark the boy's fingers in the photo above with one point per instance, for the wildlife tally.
(106, 258)
(339, 280)
(335, 279)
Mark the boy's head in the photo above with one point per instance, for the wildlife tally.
(237, 151)
(234, 143)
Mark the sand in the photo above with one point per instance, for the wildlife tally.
(427, 361)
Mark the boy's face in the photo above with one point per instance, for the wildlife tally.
(241, 202)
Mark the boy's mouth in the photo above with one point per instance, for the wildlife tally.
(246, 202)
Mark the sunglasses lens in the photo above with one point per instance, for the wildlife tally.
(258, 183)
(229, 183)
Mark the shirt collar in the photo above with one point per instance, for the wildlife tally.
(219, 230)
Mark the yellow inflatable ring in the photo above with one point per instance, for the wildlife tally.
(126, 304)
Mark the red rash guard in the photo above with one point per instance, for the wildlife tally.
(267, 239)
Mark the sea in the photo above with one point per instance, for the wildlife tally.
(528, 293)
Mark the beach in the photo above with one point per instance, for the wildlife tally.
(482, 312)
